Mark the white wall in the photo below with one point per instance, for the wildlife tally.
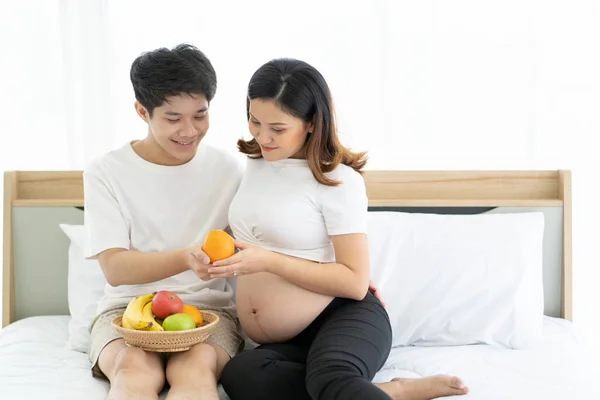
(461, 84)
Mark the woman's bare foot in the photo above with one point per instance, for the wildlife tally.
(427, 388)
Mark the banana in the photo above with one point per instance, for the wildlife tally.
(131, 322)
(134, 318)
(125, 323)
(147, 313)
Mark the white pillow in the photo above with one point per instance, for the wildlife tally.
(86, 284)
(460, 279)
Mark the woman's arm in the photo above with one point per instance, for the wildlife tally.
(348, 277)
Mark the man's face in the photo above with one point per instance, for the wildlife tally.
(176, 127)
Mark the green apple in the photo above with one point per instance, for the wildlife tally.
(178, 322)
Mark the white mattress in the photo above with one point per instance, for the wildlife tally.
(35, 363)
(559, 367)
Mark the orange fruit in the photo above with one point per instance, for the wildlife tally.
(194, 313)
(218, 245)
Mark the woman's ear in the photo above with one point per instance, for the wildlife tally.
(311, 127)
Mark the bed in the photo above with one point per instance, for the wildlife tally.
(509, 335)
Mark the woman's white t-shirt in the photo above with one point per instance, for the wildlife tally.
(133, 204)
(280, 206)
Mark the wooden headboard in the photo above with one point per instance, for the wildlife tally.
(423, 189)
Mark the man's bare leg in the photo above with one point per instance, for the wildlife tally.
(132, 372)
(193, 374)
(427, 388)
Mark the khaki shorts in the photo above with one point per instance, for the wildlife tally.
(226, 334)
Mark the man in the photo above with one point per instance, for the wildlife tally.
(148, 206)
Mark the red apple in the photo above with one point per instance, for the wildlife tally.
(166, 303)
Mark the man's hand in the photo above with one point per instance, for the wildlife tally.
(373, 289)
(198, 262)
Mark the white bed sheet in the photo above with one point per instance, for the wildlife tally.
(36, 363)
(559, 367)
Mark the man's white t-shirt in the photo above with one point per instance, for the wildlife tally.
(280, 206)
(133, 204)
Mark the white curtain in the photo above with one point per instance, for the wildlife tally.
(463, 84)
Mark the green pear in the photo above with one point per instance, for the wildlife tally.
(178, 322)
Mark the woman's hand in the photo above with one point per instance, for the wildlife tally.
(376, 292)
(249, 260)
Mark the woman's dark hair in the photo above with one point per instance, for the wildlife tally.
(160, 73)
(300, 90)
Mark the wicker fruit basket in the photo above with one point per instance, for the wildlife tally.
(168, 341)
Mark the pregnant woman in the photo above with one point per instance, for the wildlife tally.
(300, 220)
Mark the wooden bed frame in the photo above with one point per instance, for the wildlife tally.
(384, 188)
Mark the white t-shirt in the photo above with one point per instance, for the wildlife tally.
(133, 204)
(280, 206)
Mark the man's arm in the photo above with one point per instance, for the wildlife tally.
(108, 241)
(128, 267)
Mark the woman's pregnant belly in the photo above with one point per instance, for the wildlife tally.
(273, 310)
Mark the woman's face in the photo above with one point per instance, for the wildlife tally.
(279, 134)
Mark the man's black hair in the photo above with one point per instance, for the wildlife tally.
(160, 73)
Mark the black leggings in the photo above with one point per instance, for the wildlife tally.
(334, 358)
